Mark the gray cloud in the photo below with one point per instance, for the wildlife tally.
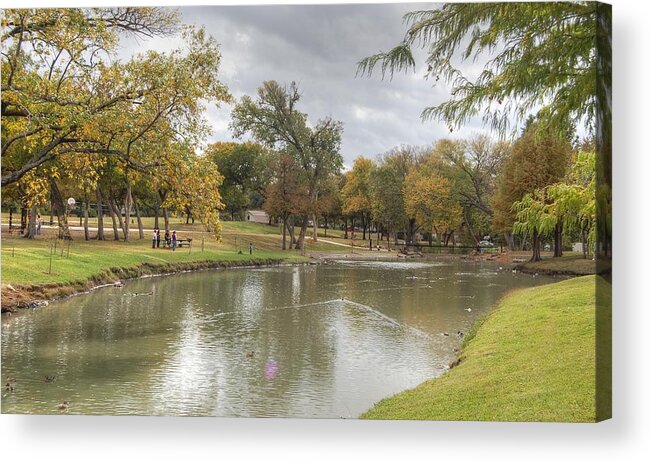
(318, 46)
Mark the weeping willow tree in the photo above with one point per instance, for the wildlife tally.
(539, 57)
(533, 218)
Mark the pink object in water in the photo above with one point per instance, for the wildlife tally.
(271, 369)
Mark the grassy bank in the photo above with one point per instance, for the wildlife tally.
(532, 359)
(37, 270)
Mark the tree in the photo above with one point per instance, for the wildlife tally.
(387, 202)
(243, 166)
(273, 120)
(428, 198)
(401, 161)
(472, 166)
(573, 201)
(67, 101)
(532, 218)
(537, 56)
(195, 189)
(356, 192)
(55, 83)
(286, 194)
(530, 164)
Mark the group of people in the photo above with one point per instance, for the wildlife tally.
(170, 240)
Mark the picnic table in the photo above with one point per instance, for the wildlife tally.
(179, 242)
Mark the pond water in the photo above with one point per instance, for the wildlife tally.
(303, 341)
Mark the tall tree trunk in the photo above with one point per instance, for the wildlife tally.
(85, 206)
(166, 218)
(52, 206)
(156, 213)
(117, 214)
(290, 230)
(285, 231)
(388, 239)
(411, 231)
(558, 239)
(127, 211)
(470, 230)
(300, 244)
(11, 218)
(584, 243)
(23, 217)
(100, 215)
(141, 231)
(536, 246)
(114, 218)
(57, 198)
(30, 230)
(345, 227)
(508, 238)
(315, 228)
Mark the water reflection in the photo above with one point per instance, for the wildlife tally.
(324, 341)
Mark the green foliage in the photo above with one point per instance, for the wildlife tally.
(72, 112)
(245, 172)
(273, 120)
(429, 199)
(536, 56)
(531, 163)
(387, 201)
(356, 192)
(532, 216)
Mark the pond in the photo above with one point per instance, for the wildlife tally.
(302, 341)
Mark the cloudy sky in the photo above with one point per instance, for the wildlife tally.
(318, 46)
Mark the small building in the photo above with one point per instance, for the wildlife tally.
(257, 216)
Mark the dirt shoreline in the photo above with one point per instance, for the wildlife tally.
(19, 297)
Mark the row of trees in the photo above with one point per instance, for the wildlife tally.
(535, 189)
(77, 121)
(554, 59)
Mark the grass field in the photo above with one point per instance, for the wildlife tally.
(27, 262)
(179, 224)
(532, 359)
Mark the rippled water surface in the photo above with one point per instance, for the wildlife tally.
(308, 341)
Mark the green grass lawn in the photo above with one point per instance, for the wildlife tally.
(532, 359)
(26, 262)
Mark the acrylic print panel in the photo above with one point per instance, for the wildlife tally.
(419, 233)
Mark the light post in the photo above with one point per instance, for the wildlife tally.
(70, 204)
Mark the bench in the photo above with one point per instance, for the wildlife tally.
(179, 242)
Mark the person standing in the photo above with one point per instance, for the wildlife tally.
(39, 223)
(153, 239)
(158, 238)
(173, 240)
(167, 237)
(250, 248)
